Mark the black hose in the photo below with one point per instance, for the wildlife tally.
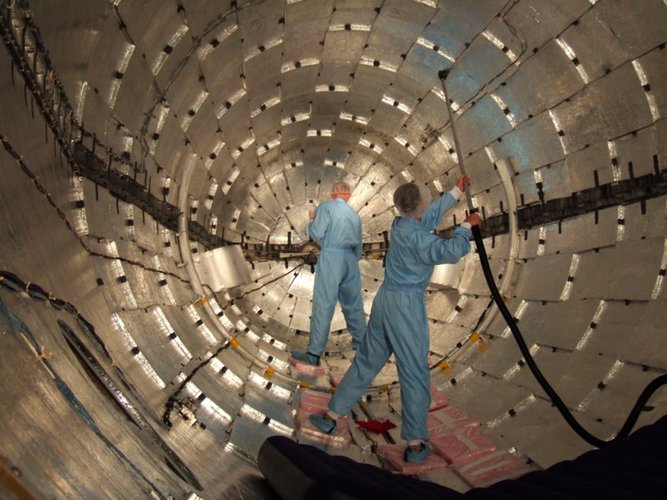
(555, 398)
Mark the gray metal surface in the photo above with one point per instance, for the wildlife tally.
(242, 115)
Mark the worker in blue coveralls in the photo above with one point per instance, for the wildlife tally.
(398, 321)
(337, 227)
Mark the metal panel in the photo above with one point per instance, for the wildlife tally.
(297, 84)
(635, 152)
(222, 72)
(487, 397)
(278, 187)
(454, 23)
(469, 76)
(304, 23)
(472, 307)
(57, 466)
(538, 22)
(397, 24)
(160, 352)
(582, 166)
(420, 66)
(134, 93)
(265, 197)
(595, 44)
(267, 123)
(551, 324)
(620, 392)
(522, 146)
(653, 65)
(446, 338)
(529, 242)
(573, 375)
(482, 124)
(472, 282)
(584, 233)
(579, 118)
(550, 71)
(224, 267)
(620, 116)
(344, 48)
(640, 29)
(500, 359)
(543, 278)
(529, 423)
(199, 16)
(253, 218)
(265, 401)
(262, 74)
(651, 224)
(387, 121)
(624, 272)
(260, 24)
(610, 333)
(556, 181)
(446, 275)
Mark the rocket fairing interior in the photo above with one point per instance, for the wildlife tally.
(140, 136)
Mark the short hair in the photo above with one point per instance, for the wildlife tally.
(407, 198)
(340, 187)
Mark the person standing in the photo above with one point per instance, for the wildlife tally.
(337, 228)
(398, 322)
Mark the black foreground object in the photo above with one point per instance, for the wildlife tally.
(631, 468)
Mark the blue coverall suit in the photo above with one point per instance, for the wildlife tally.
(398, 321)
(337, 228)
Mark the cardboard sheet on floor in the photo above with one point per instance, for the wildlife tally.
(462, 445)
(302, 367)
(489, 469)
(448, 419)
(339, 437)
(393, 455)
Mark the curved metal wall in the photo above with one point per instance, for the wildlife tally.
(242, 115)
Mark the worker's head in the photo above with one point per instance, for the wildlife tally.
(411, 199)
(341, 190)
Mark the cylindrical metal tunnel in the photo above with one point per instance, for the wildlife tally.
(138, 135)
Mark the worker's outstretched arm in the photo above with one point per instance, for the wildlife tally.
(435, 211)
(434, 250)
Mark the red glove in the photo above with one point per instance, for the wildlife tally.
(377, 426)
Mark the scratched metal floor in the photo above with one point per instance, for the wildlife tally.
(125, 376)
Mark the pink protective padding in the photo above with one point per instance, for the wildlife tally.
(314, 401)
(393, 455)
(438, 399)
(462, 445)
(339, 437)
(448, 419)
(336, 376)
(489, 469)
(302, 367)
